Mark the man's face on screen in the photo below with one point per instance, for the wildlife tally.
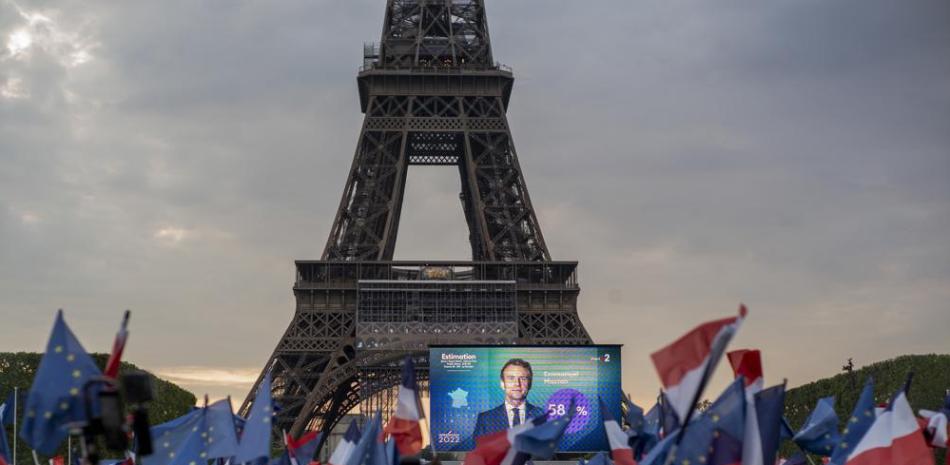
(516, 381)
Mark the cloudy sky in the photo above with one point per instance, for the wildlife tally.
(175, 157)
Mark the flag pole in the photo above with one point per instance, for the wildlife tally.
(718, 348)
(15, 435)
(692, 407)
(36, 460)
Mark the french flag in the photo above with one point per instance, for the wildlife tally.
(685, 365)
(894, 438)
(301, 450)
(345, 448)
(404, 424)
(118, 346)
(620, 450)
(935, 428)
(497, 448)
(748, 364)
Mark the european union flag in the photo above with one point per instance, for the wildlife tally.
(6, 409)
(725, 415)
(541, 441)
(858, 423)
(370, 449)
(669, 422)
(179, 441)
(649, 436)
(255, 441)
(196, 437)
(5, 455)
(634, 416)
(56, 398)
(819, 434)
(392, 453)
(658, 454)
(220, 436)
(769, 405)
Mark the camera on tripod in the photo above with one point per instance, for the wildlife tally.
(106, 402)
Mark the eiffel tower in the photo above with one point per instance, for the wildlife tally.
(432, 94)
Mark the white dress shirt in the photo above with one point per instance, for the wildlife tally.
(511, 415)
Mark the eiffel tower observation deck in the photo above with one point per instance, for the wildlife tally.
(431, 94)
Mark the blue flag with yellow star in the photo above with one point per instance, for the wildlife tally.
(255, 440)
(56, 399)
(858, 423)
(196, 437)
(819, 435)
(221, 438)
(370, 449)
(541, 441)
(725, 416)
(179, 442)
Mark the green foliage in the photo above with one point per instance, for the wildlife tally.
(17, 370)
(928, 389)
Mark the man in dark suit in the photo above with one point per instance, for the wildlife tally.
(516, 378)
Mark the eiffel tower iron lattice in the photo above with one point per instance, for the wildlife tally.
(431, 94)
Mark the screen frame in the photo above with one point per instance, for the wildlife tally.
(554, 347)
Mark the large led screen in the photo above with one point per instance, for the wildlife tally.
(482, 389)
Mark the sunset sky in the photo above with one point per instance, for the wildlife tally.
(175, 157)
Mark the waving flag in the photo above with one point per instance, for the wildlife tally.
(343, 450)
(497, 448)
(820, 431)
(56, 397)
(861, 419)
(769, 406)
(893, 439)
(541, 441)
(118, 346)
(644, 429)
(620, 450)
(370, 449)
(198, 436)
(178, 442)
(685, 365)
(255, 441)
(725, 417)
(7, 409)
(748, 364)
(936, 429)
(221, 437)
(301, 450)
(669, 421)
(404, 424)
(5, 455)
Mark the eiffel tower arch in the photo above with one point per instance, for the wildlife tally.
(431, 94)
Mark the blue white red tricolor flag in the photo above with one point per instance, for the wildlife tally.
(685, 364)
(748, 364)
(343, 450)
(301, 450)
(496, 448)
(404, 424)
(893, 439)
(620, 450)
(118, 346)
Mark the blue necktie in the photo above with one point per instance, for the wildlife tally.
(516, 418)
